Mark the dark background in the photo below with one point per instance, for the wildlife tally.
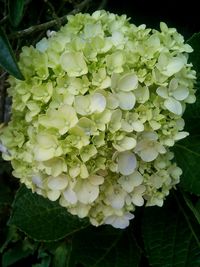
(184, 15)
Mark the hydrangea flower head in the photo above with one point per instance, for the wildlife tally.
(94, 119)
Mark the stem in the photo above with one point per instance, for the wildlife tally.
(50, 23)
(3, 20)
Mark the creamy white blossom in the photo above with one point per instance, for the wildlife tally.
(93, 121)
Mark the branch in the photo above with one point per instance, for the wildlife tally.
(78, 8)
(3, 20)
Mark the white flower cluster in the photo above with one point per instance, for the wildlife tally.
(93, 121)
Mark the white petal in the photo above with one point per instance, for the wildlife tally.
(114, 80)
(150, 136)
(130, 181)
(181, 93)
(83, 171)
(82, 104)
(117, 202)
(190, 99)
(162, 91)
(174, 66)
(127, 143)
(42, 45)
(82, 210)
(57, 183)
(98, 102)
(137, 200)
(37, 180)
(142, 94)
(43, 154)
(180, 135)
(117, 38)
(126, 163)
(126, 100)
(136, 178)
(112, 101)
(96, 179)
(3, 149)
(128, 83)
(173, 105)
(87, 193)
(154, 125)
(120, 222)
(138, 126)
(126, 126)
(173, 84)
(149, 154)
(53, 195)
(126, 183)
(70, 196)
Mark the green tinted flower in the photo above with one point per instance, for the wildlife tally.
(93, 120)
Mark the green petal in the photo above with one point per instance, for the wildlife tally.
(82, 105)
(73, 63)
(42, 154)
(162, 91)
(115, 62)
(142, 94)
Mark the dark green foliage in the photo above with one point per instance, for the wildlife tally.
(7, 58)
(194, 41)
(187, 154)
(16, 10)
(169, 239)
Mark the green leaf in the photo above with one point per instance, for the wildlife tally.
(62, 255)
(7, 58)
(187, 154)
(43, 257)
(168, 238)
(5, 194)
(194, 41)
(16, 8)
(198, 206)
(194, 208)
(12, 236)
(45, 262)
(192, 115)
(16, 253)
(42, 219)
(105, 246)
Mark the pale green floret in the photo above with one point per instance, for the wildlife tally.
(73, 63)
(93, 121)
(173, 95)
(56, 118)
(148, 147)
